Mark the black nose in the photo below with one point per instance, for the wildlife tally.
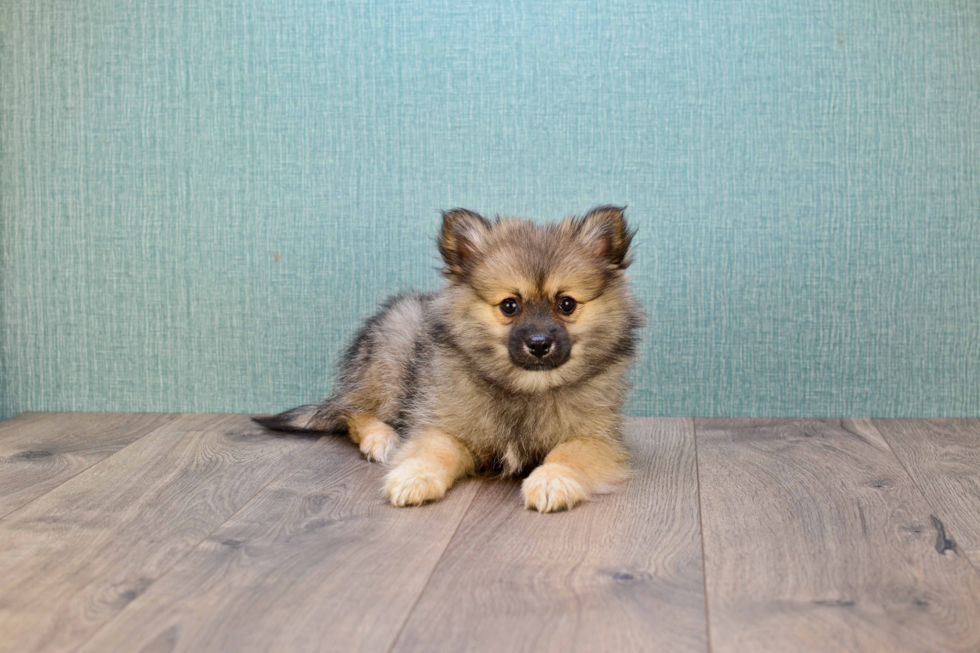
(539, 345)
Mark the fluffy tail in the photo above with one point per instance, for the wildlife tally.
(313, 418)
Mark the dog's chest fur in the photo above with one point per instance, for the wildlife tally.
(510, 433)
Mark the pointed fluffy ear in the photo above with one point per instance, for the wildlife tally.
(605, 231)
(463, 235)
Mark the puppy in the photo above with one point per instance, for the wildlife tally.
(518, 364)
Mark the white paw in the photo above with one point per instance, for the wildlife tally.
(552, 487)
(379, 442)
(412, 483)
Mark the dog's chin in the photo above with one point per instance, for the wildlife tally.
(537, 366)
(534, 379)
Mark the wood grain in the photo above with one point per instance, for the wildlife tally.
(943, 457)
(622, 573)
(816, 539)
(317, 562)
(40, 451)
(207, 533)
(75, 557)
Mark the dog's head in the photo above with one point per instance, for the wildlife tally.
(536, 307)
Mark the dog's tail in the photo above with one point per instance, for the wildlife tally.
(312, 418)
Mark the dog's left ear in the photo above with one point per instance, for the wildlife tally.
(462, 238)
(605, 231)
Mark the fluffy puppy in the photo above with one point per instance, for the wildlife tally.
(518, 364)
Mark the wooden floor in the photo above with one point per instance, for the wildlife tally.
(144, 532)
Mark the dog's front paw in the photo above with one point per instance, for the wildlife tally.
(378, 442)
(414, 482)
(552, 487)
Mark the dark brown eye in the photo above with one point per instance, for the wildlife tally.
(566, 305)
(509, 307)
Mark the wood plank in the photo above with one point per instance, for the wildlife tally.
(40, 451)
(816, 539)
(75, 557)
(317, 561)
(621, 573)
(943, 457)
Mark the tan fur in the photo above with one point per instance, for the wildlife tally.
(428, 466)
(448, 384)
(574, 471)
(377, 440)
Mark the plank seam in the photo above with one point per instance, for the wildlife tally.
(704, 566)
(408, 613)
(4, 516)
(925, 498)
(285, 469)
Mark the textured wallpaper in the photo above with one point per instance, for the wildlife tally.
(201, 200)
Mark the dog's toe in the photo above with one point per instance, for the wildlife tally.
(412, 484)
(377, 444)
(552, 487)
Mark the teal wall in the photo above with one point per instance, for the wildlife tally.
(201, 200)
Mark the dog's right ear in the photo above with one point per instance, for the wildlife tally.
(462, 238)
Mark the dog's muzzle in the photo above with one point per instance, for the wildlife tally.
(539, 346)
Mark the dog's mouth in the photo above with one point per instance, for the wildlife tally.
(538, 366)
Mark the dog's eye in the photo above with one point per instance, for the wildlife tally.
(509, 307)
(566, 305)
